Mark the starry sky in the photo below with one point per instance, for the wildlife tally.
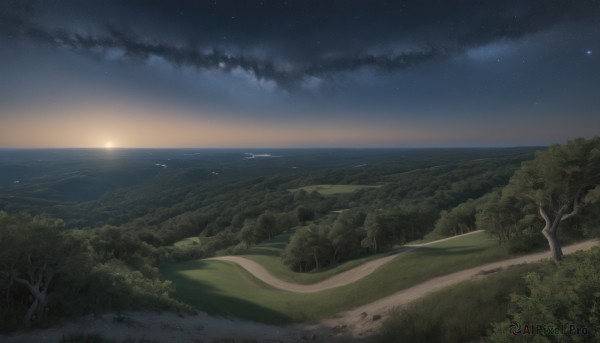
(310, 73)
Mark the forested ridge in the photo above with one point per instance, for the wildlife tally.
(104, 244)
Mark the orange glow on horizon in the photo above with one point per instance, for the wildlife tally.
(109, 125)
(102, 126)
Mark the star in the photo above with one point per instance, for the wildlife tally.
(589, 52)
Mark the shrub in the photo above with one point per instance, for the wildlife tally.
(564, 295)
(456, 314)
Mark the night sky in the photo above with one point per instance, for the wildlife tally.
(298, 73)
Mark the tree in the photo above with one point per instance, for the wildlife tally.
(459, 220)
(308, 249)
(557, 181)
(345, 236)
(34, 251)
(284, 222)
(248, 234)
(379, 229)
(304, 214)
(266, 226)
(500, 215)
(567, 298)
(238, 220)
(410, 223)
(118, 242)
(589, 215)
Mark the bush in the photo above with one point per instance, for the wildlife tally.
(557, 297)
(529, 241)
(188, 253)
(456, 314)
(114, 286)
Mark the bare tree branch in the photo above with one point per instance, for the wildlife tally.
(23, 281)
(544, 216)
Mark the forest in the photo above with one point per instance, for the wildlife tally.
(86, 231)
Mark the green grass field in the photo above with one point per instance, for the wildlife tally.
(267, 254)
(333, 189)
(223, 288)
(187, 242)
(440, 316)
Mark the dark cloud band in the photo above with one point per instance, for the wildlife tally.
(509, 20)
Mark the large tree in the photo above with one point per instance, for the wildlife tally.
(34, 251)
(345, 234)
(558, 180)
(459, 220)
(308, 249)
(502, 216)
(266, 226)
(379, 229)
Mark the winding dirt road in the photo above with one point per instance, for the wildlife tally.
(338, 280)
(344, 327)
(359, 322)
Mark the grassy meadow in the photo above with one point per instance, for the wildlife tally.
(267, 254)
(223, 288)
(188, 242)
(442, 317)
(333, 189)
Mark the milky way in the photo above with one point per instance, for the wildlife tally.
(468, 72)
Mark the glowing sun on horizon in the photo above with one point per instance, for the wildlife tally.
(109, 145)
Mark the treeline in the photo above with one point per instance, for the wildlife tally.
(557, 191)
(353, 233)
(191, 201)
(400, 210)
(523, 207)
(190, 186)
(407, 207)
(48, 271)
(227, 216)
(241, 236)
(111, 263)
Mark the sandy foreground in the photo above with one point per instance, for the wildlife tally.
(351, 325)
(171, 327)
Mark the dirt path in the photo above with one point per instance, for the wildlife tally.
(359, 321)
(344, 327)
(341, 279)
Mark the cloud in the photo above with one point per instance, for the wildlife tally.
(473, 28)
(118, 44)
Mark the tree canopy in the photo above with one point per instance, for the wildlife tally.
(34, 251)
(557, 182)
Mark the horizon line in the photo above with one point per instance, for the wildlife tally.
(282, 148)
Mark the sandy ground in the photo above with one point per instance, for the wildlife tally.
(166, 327)
(347, 326)
(341, 279)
